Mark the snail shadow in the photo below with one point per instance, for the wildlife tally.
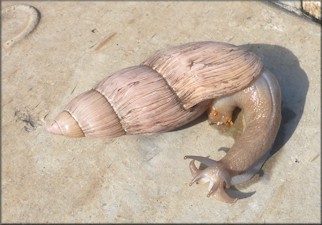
(294, 85)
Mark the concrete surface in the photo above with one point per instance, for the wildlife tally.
(47, 178)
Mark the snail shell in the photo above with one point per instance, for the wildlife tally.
(168, 90)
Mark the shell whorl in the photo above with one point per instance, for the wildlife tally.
(199, 71)
(135, 100)
(65, 124)
(166, 91)
(91, 115)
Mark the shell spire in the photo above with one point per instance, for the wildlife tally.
(89, 114)
(66, 125)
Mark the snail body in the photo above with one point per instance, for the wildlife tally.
(174, 87)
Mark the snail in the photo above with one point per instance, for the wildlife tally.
(175, 86)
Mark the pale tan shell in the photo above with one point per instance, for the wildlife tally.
(205, 70)
(168, 90)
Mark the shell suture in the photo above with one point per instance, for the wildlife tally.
(168, 90)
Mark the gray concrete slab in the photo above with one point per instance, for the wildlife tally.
(47, 178)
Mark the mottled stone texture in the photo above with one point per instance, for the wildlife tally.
(311, 8)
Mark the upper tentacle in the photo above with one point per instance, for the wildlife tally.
(216, 174)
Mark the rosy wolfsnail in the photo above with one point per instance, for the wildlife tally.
(175, 86)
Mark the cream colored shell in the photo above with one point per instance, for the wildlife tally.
(168, 90)
(205, 70)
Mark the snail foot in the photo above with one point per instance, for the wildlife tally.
(216, 174)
